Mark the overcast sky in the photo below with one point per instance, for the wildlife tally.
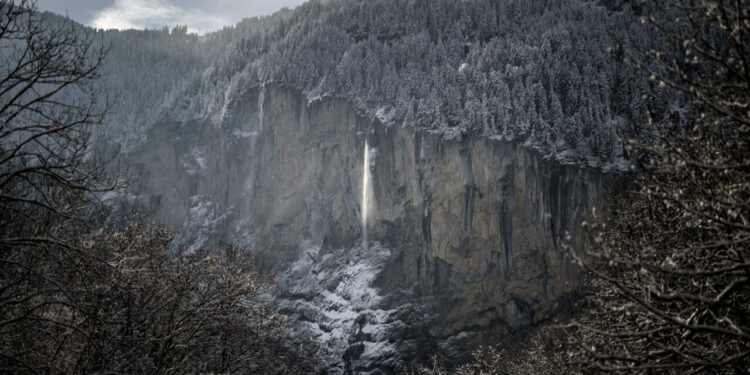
(198, 15)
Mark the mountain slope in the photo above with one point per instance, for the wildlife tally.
(537, 71)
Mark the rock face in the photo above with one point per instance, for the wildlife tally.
(472, 227)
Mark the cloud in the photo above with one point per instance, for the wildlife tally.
(198, 15)
(140, 14)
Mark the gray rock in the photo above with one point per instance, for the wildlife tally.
(471, 228)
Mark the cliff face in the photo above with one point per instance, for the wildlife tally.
(471, 227)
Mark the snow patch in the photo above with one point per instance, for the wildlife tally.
(385, 115)
(332, 296)
(194, 162)
(204, 217)
(239, 133)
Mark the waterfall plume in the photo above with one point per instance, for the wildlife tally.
(365, 193)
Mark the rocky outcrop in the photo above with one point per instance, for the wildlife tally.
(473, 226)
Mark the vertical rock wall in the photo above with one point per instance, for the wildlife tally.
(473, 225)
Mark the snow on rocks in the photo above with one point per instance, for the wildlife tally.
(331, 294)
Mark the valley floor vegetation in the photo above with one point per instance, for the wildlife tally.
(81, 292)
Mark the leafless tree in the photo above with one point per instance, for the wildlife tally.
(670, 263)
(48, 104)
(202, 313)
(139, 310)
(541, 351)
(79, 294)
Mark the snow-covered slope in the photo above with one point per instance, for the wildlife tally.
(531, 71)
(330, 294)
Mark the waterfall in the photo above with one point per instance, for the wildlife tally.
(365, 193)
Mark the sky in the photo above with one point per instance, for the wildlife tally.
(199, 15)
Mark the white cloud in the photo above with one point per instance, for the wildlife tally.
(199, 16)
(140, 14)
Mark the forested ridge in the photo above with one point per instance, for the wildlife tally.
(547, 73)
